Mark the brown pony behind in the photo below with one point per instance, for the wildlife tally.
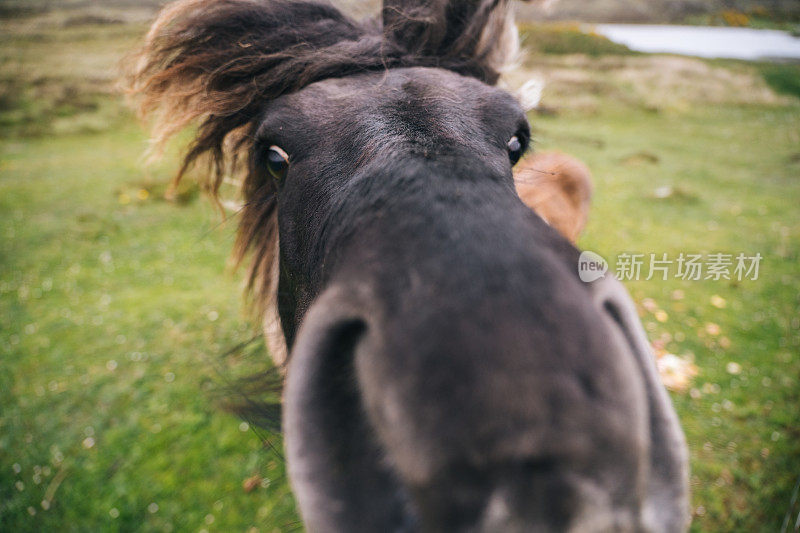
(559, 188)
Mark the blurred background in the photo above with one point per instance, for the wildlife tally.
(122, 328)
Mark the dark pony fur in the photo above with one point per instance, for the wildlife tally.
(213, 64)
(449, 370)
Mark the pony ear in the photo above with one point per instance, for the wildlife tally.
(214, 63)
(478, 33)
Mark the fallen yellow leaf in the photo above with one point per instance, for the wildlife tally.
(718, 301)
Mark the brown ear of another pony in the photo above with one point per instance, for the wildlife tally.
(558, 187)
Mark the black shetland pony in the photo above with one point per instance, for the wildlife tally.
(447, 369)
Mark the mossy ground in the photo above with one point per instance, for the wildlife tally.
(118, 310)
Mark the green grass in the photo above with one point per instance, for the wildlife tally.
(117, 309)
(739, 167)
(784, 78)
(568, 39)
(115, 318)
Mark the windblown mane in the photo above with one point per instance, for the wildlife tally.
(214, 63)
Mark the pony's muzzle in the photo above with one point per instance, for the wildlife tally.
(522, 496)
(362, 457)
(453, 377)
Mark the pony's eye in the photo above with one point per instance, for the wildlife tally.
(514, 149)
(277, 162)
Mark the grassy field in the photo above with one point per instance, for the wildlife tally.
(118, 313)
